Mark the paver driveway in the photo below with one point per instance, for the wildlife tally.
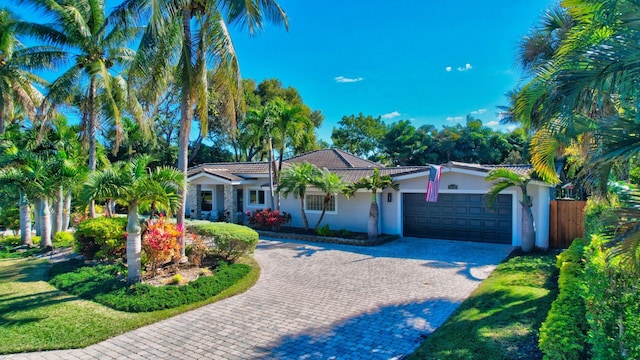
(318, 301)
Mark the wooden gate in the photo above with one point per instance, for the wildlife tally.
(566, 222)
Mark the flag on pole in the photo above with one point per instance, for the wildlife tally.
(433, 184)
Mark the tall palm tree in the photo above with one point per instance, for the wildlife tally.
(84, 29)
(331, 185)
(195, 34)
(295, 179)
(373, 183)
(504, 179)
(136, 184)
(17, 65)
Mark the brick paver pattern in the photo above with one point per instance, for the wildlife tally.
(318, 301)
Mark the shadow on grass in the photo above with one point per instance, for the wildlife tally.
(387, 333)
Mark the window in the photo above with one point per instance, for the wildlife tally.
(315, 202)
(206, 201)
(256, 197)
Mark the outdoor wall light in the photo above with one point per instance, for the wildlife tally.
(389, 197)
(452, 187)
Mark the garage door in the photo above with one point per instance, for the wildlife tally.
(458, 217)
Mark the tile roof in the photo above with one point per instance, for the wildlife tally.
(521, 169)
(333, 159)
(229, 170)
(355, 174)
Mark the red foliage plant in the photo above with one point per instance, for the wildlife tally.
(268, 219)
(161, 242)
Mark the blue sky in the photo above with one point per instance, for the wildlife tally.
(431, 62)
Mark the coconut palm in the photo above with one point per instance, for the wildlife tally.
(84, 29)
(504, 179)
(195, 34)
(295, 179)
(17, 65)
(331, 185)
(134, 183)
(373, 183)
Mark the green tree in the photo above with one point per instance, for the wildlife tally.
(359, 135)
(373, 183)
(404, 145)
(134, 183)
(331, 185)
(504, 179)
(295, 179)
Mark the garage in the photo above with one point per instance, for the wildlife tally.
(458, 216)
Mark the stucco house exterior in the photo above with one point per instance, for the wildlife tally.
(459, 214)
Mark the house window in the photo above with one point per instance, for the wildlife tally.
(206, 201)
(256, 197)
(315, 202)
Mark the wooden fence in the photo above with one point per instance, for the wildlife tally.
(566, 222)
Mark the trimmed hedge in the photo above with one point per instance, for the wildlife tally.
(105, 284)
(102, 238)
(231, 241)
(563, 333)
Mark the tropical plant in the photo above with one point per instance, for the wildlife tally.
(134, 183)
(194, 36)
(373, 183)
(295, 179)
(504, 179)
(331, 185)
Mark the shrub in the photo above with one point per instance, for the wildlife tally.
(101, 238)
(563, 333)
(324, 230)
(344, 233)
(613, 304)
(10, 218)
(268, 219)
(176, 279)
(63, 239)
(231, 241)
(160, 242)
(593, 212)
(105, 285)
(196, 251)
(10, 240)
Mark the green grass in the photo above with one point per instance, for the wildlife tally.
(501, 318)
(36, 316)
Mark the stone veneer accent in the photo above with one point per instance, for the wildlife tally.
(192, 202)
(198, 201)
(229, 202)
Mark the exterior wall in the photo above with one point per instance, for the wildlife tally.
(352, 214)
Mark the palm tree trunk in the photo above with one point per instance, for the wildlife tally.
(304, 216)
(25, 220)
(271, 174)
(134, 245)
(91, 134)
(45, 224)
(66, 212)
(59, 206)
(2, 118)
(327, 198)
(372, 226)
(36, 216)
(528, 230)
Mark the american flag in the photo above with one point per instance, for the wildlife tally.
(433, 184)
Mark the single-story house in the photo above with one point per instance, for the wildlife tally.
(459, 214)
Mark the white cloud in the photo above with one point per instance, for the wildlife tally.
(511, 127)
(342, 79)
(466, 67)
(390, 115)
(448, 68)
(455, 118)
(493, 123)
(479, 111)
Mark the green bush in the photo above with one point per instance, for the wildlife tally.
(613, 303)
(105, 285)
(593, 212)
(563, 333)
(63, 239)
(102, 238)
(8, 243)
(231, 241)
(324, 230)
(10, 240)
(10, 218)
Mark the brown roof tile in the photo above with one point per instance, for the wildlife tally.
(333, 159)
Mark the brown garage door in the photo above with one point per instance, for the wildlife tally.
(458, 217)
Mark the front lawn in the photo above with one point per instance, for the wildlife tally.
(36, 316)
(501, 318)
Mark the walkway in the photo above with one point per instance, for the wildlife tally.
(318, 301)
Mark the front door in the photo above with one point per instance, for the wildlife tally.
(239, 200)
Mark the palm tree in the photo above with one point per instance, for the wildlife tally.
(196, 34)
(373, 183)
(331, 185)
(295, 179)
(134, 183)
(17, 65)
(83, 27)
(504, 179)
